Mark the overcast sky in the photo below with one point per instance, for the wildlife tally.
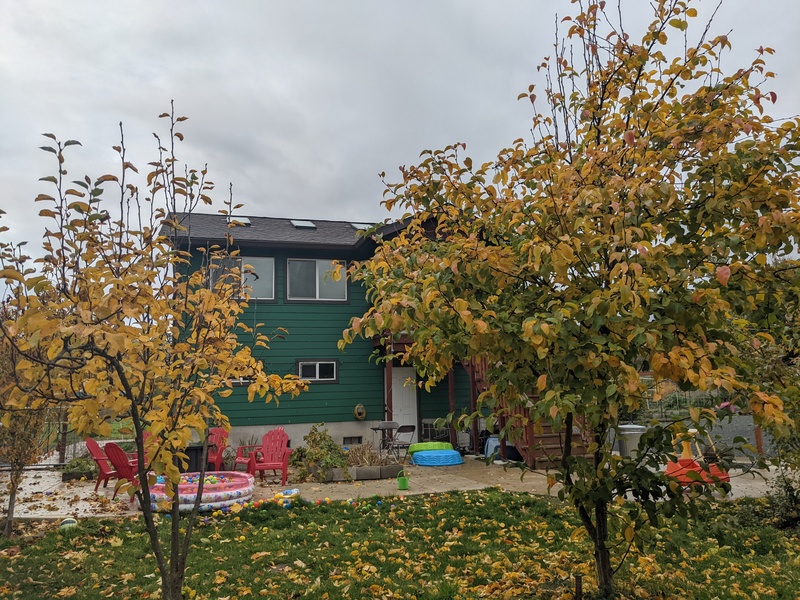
(299, 104)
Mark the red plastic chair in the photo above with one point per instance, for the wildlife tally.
(217, 442)
(122, 465)
(272, 454)
(243, 456)
(105, 471)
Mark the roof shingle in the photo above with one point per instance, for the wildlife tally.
(270, 231)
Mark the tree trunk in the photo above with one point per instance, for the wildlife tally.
(597, 527)
(8, 530)
(172, 586)
(602, 555)
(14, 479)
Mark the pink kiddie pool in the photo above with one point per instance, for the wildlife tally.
(221, 490)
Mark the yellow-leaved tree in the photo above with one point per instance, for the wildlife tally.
(633, 233)
(22, 439)
(114, 321)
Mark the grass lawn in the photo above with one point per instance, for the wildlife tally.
(486, 544)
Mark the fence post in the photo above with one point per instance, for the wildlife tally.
(759, 440)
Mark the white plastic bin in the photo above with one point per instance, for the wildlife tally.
(628, 437)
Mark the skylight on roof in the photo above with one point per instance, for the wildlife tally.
(299, 224)
(361, 226)
(239, 220)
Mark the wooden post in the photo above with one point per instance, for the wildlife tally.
(62, 437)
(389, 409)
(503, 450)
(451, 391)
(759, 440)
(473, 402)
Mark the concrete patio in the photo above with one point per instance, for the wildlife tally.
(44, 496)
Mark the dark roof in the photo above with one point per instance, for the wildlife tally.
(270, 231)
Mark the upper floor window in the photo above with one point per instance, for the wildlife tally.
(259, 276)
(310, 279)
(257, 273)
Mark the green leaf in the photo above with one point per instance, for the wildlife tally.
(679, 24)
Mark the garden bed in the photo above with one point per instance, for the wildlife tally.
(364, 473)
(323, 460)
(76, 475)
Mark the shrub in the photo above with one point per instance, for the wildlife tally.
(320, 454)
(80, 464)
(784, 498)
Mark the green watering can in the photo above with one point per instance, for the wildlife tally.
(402, 481)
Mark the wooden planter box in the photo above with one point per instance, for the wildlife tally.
(76, 475)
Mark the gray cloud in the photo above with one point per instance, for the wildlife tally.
(300, 104)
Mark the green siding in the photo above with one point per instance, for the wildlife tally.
(436, 403)
(313, 330)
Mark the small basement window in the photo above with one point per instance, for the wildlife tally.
(352, 440)
(321, 371)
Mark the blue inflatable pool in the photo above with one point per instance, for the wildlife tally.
(437, 458)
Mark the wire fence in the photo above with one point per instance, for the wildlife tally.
(60, 442)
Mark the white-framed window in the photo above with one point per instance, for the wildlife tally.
(221, 267)
(259, 275)
(257, 272)
(311, 279)
(321, 371)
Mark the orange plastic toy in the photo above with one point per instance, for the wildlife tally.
(687, 464)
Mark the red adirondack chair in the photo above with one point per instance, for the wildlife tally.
(105, 471)
(273, 454)
(243, 456)
(217, 442)
(122, 465)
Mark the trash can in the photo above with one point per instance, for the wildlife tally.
(195, 454)
(628, 437)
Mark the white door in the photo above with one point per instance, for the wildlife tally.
(404, 398)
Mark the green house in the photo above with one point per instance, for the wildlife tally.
(294, 296)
